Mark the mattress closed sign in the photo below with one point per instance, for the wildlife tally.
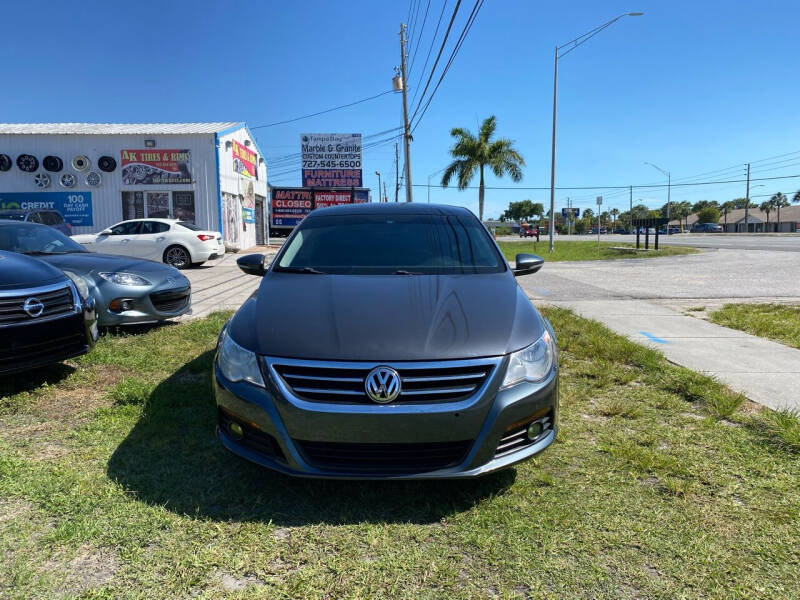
(75, 207)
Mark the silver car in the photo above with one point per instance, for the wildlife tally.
(126, 290)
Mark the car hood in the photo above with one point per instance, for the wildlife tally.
(21, 271)
(386, 318)
(90, 263)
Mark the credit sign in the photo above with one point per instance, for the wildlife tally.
(75, 207)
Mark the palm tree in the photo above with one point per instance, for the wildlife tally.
(779, 201)
(726, 208)
(614, 214)
(766, 207)
(474, 153)
(796, 198)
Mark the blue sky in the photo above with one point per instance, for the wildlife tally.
(693, 87)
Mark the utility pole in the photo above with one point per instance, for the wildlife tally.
(747, 203)
(406, 132)
(630, 201)
(378, 173)
(385, 197)
(396, 172)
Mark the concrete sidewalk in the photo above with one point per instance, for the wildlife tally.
(764, 371)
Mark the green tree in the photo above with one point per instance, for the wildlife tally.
(766, 207)
(580, 226)
(779, 201)
(701, 204)
(473, 154)
(708, 214)
(639, 211)
(796, 197)
(682, 210)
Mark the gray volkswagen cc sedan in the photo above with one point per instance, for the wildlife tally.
(387, 341)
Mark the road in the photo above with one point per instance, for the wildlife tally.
(648, 301)
(783, 242)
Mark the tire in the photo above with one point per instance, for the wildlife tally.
(178, 257)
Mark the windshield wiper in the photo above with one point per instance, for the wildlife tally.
(311, 270)
(404, 272)
(38, 253)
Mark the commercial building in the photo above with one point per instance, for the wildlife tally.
(757, 221)
(98, 174)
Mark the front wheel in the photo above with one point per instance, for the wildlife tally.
(178, 257)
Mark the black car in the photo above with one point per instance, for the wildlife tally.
(706, 228)
(43, 318)
(51, 218)
(388, 341)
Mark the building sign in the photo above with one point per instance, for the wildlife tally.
(331, 159)
(332, 198)
(360, 196)
(156, 167)
(75, 207)
(290, 206)
(244, 160)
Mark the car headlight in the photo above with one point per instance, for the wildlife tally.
(237, 363)
(80, 283)
(532, 364)
(122, 278)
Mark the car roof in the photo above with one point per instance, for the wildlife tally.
(14, 211)
(10, 222)
(382, 208)
(162, 220)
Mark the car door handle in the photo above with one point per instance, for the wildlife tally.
(160, 238)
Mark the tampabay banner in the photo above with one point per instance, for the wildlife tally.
(244, 160)
(155, 166)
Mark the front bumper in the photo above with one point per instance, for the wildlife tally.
(288, 436)
(148, 304)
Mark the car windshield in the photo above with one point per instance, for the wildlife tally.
(402, 244)
(189, 225)
(36, 239)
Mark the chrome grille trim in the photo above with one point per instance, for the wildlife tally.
(59, 299)
(339, 385)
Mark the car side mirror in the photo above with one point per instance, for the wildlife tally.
(252, 264)
(105, 232)
(525, 264)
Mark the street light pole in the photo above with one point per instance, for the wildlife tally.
(669, 188)
(570, 46)
(378, 173)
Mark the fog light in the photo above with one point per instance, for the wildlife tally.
(120, 305)
(237, 430)
(534, 430)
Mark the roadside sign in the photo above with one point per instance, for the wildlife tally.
(599, 200)
(576, 212)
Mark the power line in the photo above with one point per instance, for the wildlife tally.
(622, 187)
(419, 39)
(322, 112)
(430, 49)
(459, 43)
(438, 56)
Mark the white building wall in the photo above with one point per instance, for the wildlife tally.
(107, 197)
(236, 232)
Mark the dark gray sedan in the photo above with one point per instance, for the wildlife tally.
(126, 290)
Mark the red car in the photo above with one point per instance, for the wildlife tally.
(528, 231)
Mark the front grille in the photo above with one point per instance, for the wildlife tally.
(421, 383)
(42, 352)
(253, 438)
(516, 438)
(170, 301)
(384, 458)
(56, 303)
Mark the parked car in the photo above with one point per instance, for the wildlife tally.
(528, 231)
(43, 318)
(52, 218)
(603, 230)
(620, 230)
(706, 228)
(126, 290)
(369, 352)
(178, 243)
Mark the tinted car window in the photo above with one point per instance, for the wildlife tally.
(40, 239)
(384, 244)
(189, 225)
(34, 217)
(129, 228)
(53, 218)
(153, 227)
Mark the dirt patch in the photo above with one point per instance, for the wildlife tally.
(72, 403)
(231, 583)
(10, 510)
(89, 568)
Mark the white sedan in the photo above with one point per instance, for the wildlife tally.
(177, 243)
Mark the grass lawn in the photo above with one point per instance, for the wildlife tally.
(774, 321)
(586, 250)
(662, 484)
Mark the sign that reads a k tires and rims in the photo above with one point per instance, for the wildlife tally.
(156, 167)
(331, 159)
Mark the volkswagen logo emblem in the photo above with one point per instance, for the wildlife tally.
(33, 306)
(383, 385)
